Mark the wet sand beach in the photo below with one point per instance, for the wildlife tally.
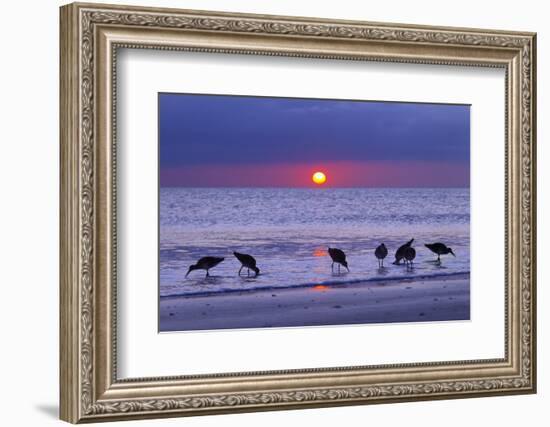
(411, 300)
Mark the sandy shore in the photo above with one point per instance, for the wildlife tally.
(382, 302)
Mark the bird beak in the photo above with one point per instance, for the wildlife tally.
(453, 254)
(188, 271)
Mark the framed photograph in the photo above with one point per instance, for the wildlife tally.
(266, 212)
(282, 178)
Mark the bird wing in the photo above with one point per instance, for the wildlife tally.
(436, 247)
(245, 259)
(339, 255)
(211, 260)
(250, 260)
(381, 251)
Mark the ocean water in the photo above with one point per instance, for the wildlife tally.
(288, 231)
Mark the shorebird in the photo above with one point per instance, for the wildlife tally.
(205, 263)
(439, 249)
(247, 261)
(409, 255)
(381, 252)
(400, 253)
(339, 257)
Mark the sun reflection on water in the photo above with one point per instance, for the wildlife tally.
(319, 252)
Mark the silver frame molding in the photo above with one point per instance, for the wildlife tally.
(90, 37)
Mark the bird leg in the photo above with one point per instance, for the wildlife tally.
(247, 272)
(338, 268)
(207, 274)
(240, 269)
(332, 267)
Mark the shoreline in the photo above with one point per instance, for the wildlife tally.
(392, 300)
(332, 283)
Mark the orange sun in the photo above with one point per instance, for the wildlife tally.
(319, 178)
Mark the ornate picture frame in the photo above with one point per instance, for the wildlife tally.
(90, 37)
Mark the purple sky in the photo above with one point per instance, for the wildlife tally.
(237, 141)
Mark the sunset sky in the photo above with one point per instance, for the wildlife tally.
(236, 141)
